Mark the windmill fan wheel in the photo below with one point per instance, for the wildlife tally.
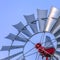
(39, 39)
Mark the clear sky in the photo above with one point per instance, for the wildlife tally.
(12, 11)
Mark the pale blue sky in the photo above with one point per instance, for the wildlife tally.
(12, 11)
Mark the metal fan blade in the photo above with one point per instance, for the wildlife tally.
(57, 52)
(6, 48)
(58, 46)
(42, 17)
(32, 22)
(12, 56)
(57, 33)
(57, 56)
(58, 43)
(55, 26)
(52, 19)
(57, 36)
(26, 32)
(17, 38)
(21, 28)
(58, 39)
(53, 58)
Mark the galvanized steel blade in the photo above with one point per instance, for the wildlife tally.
(56, 25)
(58, 45)
(52, 19)
(42, 17)
(26, 32)
(58, 39)
(57, 56)
(6, 48)
(19, 26)
(57, 33)
(32, 22)
(57, 52)
(17, 38)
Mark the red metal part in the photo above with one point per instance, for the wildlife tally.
(47, 52)
(46, 58)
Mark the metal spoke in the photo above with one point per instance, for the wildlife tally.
(36, 56)
(32, 42)
(29, 50)
(12, 43)
(26, 53)
(31, 54)
(42, 37)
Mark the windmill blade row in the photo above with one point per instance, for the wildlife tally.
(17, 38)
(42, 17)
(50, 24)
(32, 22)
(55, 26)
(12, 56)
(21, 28)
(52, 19)
(7, 48)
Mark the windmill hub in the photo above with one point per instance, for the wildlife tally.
(38, 45)
(47, 52)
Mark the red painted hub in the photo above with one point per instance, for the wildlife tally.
(38, 45)
(47, 52)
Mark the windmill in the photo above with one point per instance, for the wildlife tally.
(43, 37)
